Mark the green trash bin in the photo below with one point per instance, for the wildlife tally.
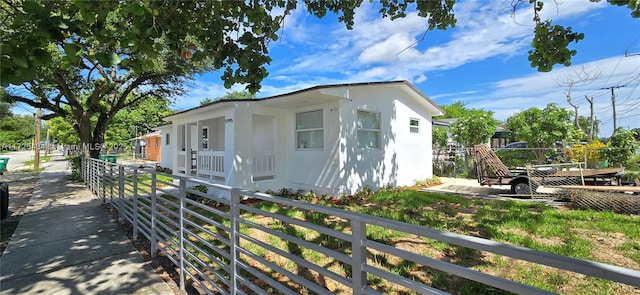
(103, 157)
(111, 158)
(3, 164)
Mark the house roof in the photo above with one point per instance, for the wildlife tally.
(300, 96)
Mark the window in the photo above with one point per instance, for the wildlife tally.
(368, 129)
(205, 138)
(414, 125)
(309, 132)
(167, 138)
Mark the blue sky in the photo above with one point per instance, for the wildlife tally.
(482, 62)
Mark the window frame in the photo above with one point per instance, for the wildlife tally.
(412, 127)
(205, 138)
(300, 146)
(359, 129)
(167, 139)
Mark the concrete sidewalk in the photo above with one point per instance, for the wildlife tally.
(66, 243)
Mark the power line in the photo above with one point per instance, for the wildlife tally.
(613, 104)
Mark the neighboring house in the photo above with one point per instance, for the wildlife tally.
(148, 146)
(330, 139)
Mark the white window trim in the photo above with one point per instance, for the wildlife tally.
(297, 131)
(379, 130)
(205, 135)
(417, 127)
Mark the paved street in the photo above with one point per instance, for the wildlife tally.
(18, 158)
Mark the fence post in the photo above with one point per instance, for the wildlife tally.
(154, 238)
(120, 192)
(358, 256)
(135, 203)
(102, 190)
(181, 195)
(111, 184)
(234, 214)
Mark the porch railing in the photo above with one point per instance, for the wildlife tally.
(229, 246)
(210, 164)
(264, 165)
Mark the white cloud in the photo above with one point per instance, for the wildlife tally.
(509, 96)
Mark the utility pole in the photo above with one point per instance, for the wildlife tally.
(613, 104)
(46, 151)
(36, 141)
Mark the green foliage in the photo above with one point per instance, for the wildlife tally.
(17, 130)
(551, 46)
(474, 126)
(76, 167)
(164, 170)
(516, 157)
(593, 151)
(541, 129)
(622, 146)
(228, 96)
(61, 130)
(454, 110)
(440, 136)
(428, 181)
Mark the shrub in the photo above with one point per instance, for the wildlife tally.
(76, 169)
(593, 151)
(164, 170)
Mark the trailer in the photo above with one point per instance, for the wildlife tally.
(526, 180)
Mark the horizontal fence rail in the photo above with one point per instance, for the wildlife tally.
(253, 243)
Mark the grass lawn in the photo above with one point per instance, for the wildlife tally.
(598, 236)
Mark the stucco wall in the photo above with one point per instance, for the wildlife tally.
(316, 169)
(166, 149)
(340, 166)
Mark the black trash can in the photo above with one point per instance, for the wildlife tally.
(4, 200)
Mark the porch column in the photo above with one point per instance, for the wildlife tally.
(229, 150)
(242, 165)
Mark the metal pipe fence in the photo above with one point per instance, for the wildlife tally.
(226, 240)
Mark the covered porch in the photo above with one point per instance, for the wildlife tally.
(209, 149)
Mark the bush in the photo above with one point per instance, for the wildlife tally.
(164, 170)
(594, 153)
(76, 167)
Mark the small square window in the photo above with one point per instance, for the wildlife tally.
(167, 138)
(414, 125)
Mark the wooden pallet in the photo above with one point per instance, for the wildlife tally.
(485, 157)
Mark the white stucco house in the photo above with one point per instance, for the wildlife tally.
(331, 139)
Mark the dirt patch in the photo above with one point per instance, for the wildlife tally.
(21, 186)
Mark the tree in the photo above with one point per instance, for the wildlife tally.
(16, 131)
(621, 147)
(541, 129)
(100, 57)
(62, 131)
(579, 78)
(475, 126)
(227, 96)
(586, 124)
